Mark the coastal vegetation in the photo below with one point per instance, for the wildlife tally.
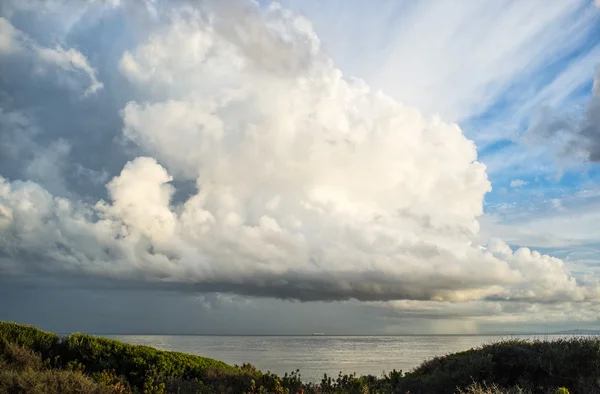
(36, 361)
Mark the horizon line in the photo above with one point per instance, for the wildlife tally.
(499, 334)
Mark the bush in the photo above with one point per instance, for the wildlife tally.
(22, 371)
(143, 367)
(535, 366)
(35, 361)
(140, 365)
(29, 337)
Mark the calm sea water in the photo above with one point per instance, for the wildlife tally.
(315, 355)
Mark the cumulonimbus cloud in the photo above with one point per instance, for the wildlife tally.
(308, 185)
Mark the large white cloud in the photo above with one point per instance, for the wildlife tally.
(309, 185)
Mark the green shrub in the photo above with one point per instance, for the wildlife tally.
(29, 337)
(536, 366)
(143, 367)
(36, 361)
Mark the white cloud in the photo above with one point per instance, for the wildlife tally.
(8, 39)
(308, 185)
(518, 183)
(71, 60)
(14, 41)
(140, 236)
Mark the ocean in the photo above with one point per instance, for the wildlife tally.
(316, 355)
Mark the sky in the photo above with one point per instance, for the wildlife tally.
(242, 167)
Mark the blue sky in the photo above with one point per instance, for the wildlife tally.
(417, 166)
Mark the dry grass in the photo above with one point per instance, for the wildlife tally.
(22, 371)
(48, 382)
(477, 388)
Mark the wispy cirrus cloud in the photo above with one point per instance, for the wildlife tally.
(471, 54)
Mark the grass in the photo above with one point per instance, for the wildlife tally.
(35, 361)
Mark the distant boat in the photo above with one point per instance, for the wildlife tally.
(318, 333)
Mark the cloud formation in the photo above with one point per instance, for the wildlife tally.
(307, 185)
(573, 137)
(14, 42)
